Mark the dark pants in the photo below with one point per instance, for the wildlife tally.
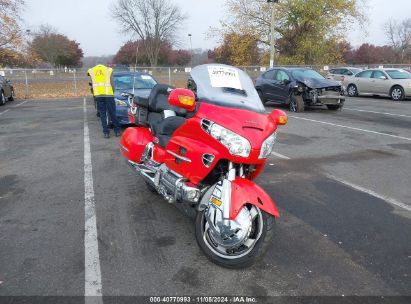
(106, 105)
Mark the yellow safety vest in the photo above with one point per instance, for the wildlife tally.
(100, 76)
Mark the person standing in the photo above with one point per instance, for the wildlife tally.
(102, 79)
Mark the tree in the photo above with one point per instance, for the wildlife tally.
(399, 36)
(307, 30)
(238, 49)
(56, 49)
(10, 18)
(152, 21)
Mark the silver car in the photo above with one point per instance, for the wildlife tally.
(395, 83)
(340, 74)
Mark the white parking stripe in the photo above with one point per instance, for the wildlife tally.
(21, 103)
(93, 287)
(280, 155)
(384, 113)
(5, 111)
(351, 128)
(388, 199)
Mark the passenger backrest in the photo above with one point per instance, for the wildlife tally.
(158, 100)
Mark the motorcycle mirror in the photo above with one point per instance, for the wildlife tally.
(279, 117)
(182, 98)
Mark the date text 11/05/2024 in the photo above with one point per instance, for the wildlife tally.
(203, 299)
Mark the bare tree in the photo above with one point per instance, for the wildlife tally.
(152, 21)
(399, 35)
(10, 18)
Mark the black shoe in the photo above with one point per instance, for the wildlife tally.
(106, 135)
(118, 134)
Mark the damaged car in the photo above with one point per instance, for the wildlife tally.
(298, 88)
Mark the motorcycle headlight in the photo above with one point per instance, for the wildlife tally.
(121, 103)
(236, 144)
(267, 146)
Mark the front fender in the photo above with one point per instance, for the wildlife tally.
(244, 191)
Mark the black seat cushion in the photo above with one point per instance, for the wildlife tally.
(158, 100)
(163, 128)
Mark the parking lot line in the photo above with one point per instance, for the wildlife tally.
(280, 155)
(5, 111)
(351, 128)
(384, 113)
(93, 287)
(21, 103)
(388, 199)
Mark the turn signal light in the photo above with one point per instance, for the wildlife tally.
(279, 117)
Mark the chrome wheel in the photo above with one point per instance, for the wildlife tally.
(2, 99)
(232, 239)
(397, 93)
(352, 90)
(293, 106)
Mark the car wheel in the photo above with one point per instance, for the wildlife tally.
(2, 99)
(296, 103)
(12, 96)
(352, 90)
(334, 107)
(397, 93)
(261, 95)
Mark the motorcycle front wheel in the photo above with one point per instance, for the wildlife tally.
(240, 257)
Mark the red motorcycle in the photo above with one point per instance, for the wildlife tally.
(204, 146)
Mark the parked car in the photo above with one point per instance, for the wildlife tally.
(341, 74)
(6, 90)
(395, 83)
(299, 87)
(139, 84)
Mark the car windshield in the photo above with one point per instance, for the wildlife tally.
(306, 74)
(355, 71)
(225, 86)
(399, 74)
(138, 81)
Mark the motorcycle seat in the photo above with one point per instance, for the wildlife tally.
(163, 128)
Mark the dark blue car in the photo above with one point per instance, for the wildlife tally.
(139, 84)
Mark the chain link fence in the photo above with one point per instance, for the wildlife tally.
(52, 83)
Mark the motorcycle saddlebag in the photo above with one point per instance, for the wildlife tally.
(133, 142)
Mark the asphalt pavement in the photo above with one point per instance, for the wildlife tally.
(341, 180)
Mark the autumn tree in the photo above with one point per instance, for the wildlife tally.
(399, 36)
(10, 17)
(306, 30)
(167, 55)
(152, 21)
(55, 48)
(237, 49)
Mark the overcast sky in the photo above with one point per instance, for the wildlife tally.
(87, 21)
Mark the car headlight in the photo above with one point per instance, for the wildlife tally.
(121, 103)
(236, 144)
(268, 145)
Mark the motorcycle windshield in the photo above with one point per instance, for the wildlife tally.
(225, 86)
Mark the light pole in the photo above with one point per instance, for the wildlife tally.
(272, 47)
(191, 49)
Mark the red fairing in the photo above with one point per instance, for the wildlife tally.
(255, 127)
(244, 191)
(133, 141)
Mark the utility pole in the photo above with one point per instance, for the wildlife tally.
(272, 47)
(191, 49)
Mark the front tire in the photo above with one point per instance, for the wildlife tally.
(397, 93)
(230, 260)
(352, 90)
(12, 96)
(334, 107)
(2, 99)
(296, 103)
